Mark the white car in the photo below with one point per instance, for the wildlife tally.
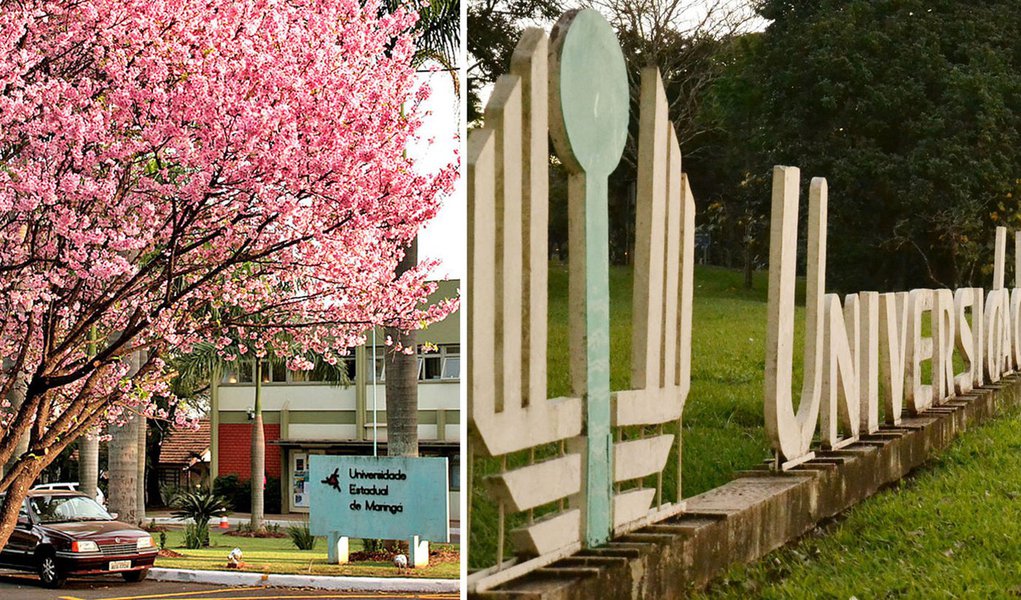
(72, 486)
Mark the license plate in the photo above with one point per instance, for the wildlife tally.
(119, 565)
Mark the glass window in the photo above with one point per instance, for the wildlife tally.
(64, 509)
(380, 353)
(432, 367)
(452, 367)
(454, 468)
(279, 371)
(245, 369)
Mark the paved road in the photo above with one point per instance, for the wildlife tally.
(24, 587)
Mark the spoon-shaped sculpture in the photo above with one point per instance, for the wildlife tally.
(589, 108)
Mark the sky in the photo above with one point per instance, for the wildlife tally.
(445, 237)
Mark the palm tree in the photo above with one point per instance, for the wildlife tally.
(258, 454)
(123, 463)
(88, 445)
(439, 39)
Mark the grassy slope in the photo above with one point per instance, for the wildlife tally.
(723, 418)
(278, 555)
(949, 531)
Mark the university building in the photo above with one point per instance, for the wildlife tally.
(303, 417)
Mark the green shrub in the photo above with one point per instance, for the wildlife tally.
(302, 536)
(239, 493)
(236, 491)
(271, 497)
(201, 506)
(196, 536)
(373, 546)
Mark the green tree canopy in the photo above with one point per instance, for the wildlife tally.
(912, 111)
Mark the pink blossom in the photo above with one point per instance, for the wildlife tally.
(177, 172)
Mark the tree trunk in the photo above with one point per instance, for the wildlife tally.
(124, 470)
(140, 482)
(749, 269)
(123, 459)
(88, 463)
(258, 454)
(17, 396)
(88, 446)
(11, 502)
(402, 383)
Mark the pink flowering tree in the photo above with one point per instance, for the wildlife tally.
(163, 159)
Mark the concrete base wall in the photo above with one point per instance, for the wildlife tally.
(756, 513)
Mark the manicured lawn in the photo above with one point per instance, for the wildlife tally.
(278, 555)
(949, 531)
(723, 416)
(952, 527)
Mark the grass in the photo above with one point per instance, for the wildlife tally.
(278, 555)
(949, 531)
(723, 416)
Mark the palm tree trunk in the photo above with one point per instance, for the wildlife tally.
(88, 463)
(140, 481)
(124, 470)
(88, 446)
(258, 454)
(402, 382)
(123, 465)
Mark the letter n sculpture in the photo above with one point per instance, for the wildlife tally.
(567, 473)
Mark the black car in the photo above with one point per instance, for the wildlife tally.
(63, 533)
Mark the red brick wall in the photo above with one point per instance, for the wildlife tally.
(236, 450)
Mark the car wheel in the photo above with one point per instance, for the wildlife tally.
(49, 572)
(135, 576)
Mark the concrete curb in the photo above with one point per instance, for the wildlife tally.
(455, 532)
(322, 582)
(758, 511)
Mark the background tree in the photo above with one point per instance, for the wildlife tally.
(912, 112)
(439, 40)
(494, 27)
(158, 158)
(684, 39)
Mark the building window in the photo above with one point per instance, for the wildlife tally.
(451, 362)
(444, 364)
(380, 363)
(432, 366)
(454, 473)
(277, 372)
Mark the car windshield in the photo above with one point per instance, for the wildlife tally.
(61, 509)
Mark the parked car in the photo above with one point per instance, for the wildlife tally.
(70, 486)
(62, 534)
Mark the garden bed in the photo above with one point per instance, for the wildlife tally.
(274, 555)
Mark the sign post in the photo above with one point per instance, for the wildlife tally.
(385, 497)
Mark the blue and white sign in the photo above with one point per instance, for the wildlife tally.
(385, 497)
